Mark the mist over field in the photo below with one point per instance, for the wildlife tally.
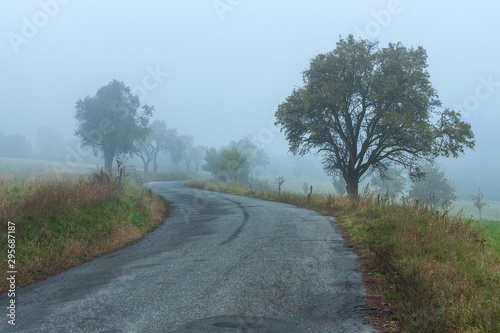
(215, 71)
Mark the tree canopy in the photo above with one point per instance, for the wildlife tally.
(112, 121)
(365, 108)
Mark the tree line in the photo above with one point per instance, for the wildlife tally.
(363, 108)
(114, 124)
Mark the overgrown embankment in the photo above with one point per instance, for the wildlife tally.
(61, 223)
(435, 272)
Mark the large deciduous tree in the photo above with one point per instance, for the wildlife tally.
(365, 108)
(112, 121)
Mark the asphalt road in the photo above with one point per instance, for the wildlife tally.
(219, 263)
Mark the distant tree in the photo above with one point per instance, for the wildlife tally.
(187, 143)
(194, 157)
(15, 146)
(231, 162)
(156, 141)
(479, 203)
(433, 189)
(256, 156)
(178, 148)
(145, 151)
(365, 108)
(305, 187)
(237, 161)
(112, 122)
(389, 183)
(212, 158)
(162, 137)
(49, 144)
(279, 183)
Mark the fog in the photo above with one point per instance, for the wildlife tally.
(217, 69)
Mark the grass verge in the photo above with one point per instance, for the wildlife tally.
(435, 272)
(63, 223)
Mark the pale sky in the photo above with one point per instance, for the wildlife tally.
(217, 70)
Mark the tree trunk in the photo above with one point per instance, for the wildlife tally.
(108, 161)
(145, 161)
(155, 163)
(352, 186)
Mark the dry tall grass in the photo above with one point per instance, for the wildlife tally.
(437, 270)
(60, 224)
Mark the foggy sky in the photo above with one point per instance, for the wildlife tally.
(217, 70)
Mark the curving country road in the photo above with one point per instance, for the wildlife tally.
(219, 263)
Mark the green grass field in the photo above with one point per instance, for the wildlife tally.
(491, 231)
